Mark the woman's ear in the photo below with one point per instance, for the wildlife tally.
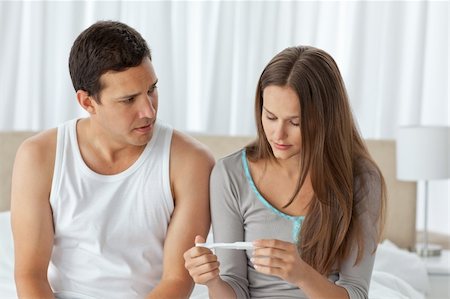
(86, 101)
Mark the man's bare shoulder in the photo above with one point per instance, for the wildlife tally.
(39, 149)
(33, 170)
(187, 147)
(191, 163)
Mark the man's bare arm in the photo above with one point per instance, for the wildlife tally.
(31, 215)
(190, 168)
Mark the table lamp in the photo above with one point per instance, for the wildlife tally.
(423, 154)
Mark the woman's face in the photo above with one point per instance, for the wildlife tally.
(281, 122)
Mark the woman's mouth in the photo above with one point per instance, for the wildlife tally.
(281, 147)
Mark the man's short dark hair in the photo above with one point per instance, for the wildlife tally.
(104, 46)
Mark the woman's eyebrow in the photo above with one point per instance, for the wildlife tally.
(290, 117)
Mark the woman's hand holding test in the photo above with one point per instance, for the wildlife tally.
(203, 267)
(279, 258)
(201, 263)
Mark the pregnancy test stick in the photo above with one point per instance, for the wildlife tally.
(235, 245)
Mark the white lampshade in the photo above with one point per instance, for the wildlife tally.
(423, 153)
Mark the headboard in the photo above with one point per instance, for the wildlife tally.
(401, 205)
(9, 142)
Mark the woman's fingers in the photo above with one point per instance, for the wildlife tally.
(201, 264)
(207, 277)
(204, 268)
(279, 258)
(196, 252)
(269, 252)
(196, 258)
(199, 239)
(275, 248)
(266, 261)
(272, 243)
(269, 270)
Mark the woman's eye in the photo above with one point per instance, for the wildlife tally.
(295, 123)
(269, 117)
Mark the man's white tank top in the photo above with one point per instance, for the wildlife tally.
(109, 229)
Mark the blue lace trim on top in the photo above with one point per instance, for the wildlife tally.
(297, 220)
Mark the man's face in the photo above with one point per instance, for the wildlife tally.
(129, 103)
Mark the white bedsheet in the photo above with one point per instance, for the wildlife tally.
(397, 274)
(7, 286)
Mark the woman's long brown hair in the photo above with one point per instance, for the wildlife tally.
(333, 153)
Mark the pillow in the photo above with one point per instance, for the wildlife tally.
(404, 264)
(7, 286)
(386, 285)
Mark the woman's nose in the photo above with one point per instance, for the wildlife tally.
(280, 131)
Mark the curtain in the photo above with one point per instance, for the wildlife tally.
(208, 56)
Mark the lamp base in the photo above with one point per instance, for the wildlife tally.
(428, 250)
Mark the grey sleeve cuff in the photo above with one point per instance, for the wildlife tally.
(240, 291)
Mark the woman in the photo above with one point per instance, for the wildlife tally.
(306, 193)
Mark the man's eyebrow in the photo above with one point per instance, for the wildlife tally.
(135, 94)
(128, 96)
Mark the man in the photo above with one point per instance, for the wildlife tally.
(106, 205)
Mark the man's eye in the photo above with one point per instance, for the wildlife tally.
(128, 101)
(151, 90)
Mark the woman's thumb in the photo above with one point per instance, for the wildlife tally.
(199, 239)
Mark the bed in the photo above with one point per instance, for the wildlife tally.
(398, 273)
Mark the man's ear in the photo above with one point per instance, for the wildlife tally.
(86, 101)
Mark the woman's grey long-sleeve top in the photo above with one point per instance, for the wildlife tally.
(240, 213)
